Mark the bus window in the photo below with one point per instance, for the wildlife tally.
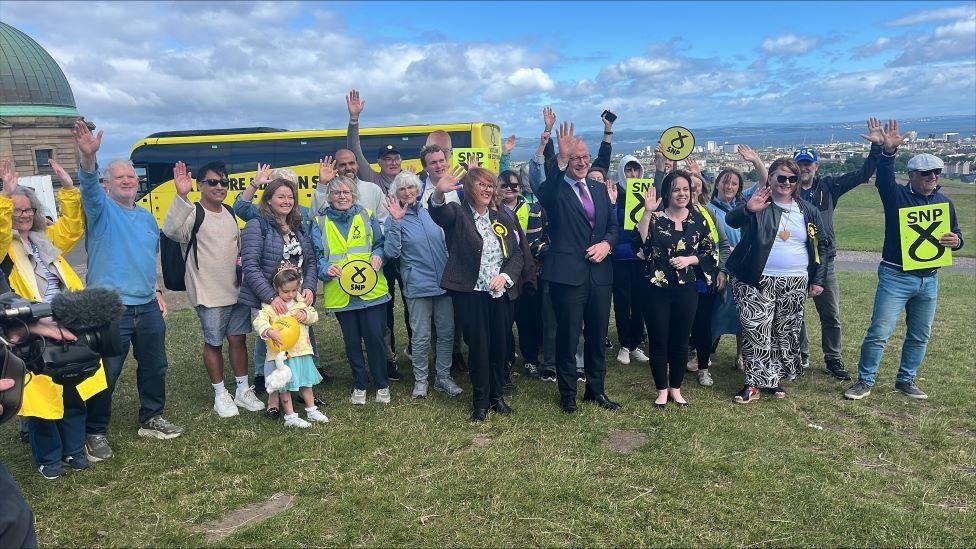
(296, 152)
(143, 179)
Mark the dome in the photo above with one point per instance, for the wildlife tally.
(31, 82)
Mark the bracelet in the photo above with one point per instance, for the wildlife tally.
(607, 133)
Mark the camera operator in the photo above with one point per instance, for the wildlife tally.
(17, 519)
(37, 271)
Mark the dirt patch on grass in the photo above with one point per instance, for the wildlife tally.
(219, 529)
(625, 442)
(480, 440)
(963, 432)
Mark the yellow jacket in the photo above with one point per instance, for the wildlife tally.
(267, 316)
(42, 397)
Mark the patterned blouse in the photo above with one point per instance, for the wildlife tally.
(664, 243)
(292, 250)
(491, 254)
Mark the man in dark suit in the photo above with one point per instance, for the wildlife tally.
(582, 232)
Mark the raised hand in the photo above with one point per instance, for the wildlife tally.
(549, 117)
(747, 154)
(607, 124)
(393, 205)
(692, 165)
(63, 177)
(651, 200)
(472, 161)
(659, 150)
(759, 199)
(9, 176)
(354, 104)
(88, 144)
(263, 176)
(182, 180)
(327, 170)
(509, 144)
(450, 180)
(612, 191)
(892, 139)
(566, 141)
(875, 133)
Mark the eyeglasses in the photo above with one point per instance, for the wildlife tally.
(485, 186)
(341, 193)
(579, 158)
(929, 173)
(25, 211)
(784, 179)
(215, 182)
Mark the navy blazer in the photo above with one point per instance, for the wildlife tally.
(570, 233)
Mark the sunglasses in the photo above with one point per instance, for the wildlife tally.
(510, 186)
(784, 179)
(929, 173)
(215, 182)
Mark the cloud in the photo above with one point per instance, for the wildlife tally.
(872, 48)
(955, 41)
(941, 14)
(789, 44)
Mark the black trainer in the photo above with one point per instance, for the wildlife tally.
(392, 372)
(259, 386)
(836, 369)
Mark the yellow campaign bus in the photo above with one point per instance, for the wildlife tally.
(243, 148)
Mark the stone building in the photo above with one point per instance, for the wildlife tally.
(37, 108)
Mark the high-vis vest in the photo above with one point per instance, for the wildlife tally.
(709, 222)
(342, 250)
(522, 215)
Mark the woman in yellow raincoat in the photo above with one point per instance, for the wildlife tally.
(38, 272)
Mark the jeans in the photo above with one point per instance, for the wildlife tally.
(53, 439)
(424, 310)
(828, 309)
(365, 327)
(897, 291)
(142, 327)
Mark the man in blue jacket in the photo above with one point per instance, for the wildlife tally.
(914, 290)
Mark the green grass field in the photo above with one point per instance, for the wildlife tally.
(859, 218)
(886, 471)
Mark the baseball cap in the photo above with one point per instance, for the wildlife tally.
(809, 155)
(387, 149)
(924, 162)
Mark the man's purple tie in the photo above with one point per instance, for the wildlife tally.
(587, 202)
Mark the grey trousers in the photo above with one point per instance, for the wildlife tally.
(828, 308)
(422, 310)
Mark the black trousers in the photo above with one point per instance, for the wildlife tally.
(391, 270)
(627, 308)
(16, 517)
(584, 308)
(528, 320)
(701, 330)
(670, 315)
(487, 324)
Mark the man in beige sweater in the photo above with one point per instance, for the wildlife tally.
(211, 273)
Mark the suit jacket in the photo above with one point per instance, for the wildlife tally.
(464, 245)
(570, 233)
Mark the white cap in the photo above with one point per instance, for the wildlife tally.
(924, 162)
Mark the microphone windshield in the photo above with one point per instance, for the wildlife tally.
(88, 308)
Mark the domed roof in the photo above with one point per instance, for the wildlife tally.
(31, 82)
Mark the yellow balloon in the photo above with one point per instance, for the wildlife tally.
(288, 329)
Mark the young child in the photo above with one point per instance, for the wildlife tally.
(287, 282)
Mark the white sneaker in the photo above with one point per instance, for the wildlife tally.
(248, 400)
(224, 405)
(383, 396)
(623, 355)
(315, 415)
(358, 397)
(705, 378)
(295, 421)
(638, 355)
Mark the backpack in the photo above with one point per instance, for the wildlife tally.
(173, 259)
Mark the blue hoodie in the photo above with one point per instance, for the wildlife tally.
(419, 243)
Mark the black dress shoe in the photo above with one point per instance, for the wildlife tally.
(499, 405)
(604, 402)
(479, 414)
(568, 404)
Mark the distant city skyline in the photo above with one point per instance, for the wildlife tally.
(139, 68)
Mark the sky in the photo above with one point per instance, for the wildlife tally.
(137, 68)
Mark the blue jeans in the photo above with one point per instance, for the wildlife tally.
(53, 439)
(142, 327)
(897, 291)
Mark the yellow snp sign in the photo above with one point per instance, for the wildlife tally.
(484, 155)
(358, 277)
(678, 142)
(920, 228)
(634, 203)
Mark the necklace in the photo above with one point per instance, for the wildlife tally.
(783, 233)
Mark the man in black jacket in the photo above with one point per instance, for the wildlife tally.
(824, 193)
(583, 232)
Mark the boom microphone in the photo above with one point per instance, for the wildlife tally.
(88, 308)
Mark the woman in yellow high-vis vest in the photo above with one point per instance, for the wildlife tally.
(350, 241)
(38, 272)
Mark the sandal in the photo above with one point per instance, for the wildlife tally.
(777, 391)
(746, 395)
(272, 414)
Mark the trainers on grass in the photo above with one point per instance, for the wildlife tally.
(97, 448)
(158, 427)
(248, 400)
(447, 385)
(224, 405)
(910, 389)
(836, 369)
(383, 396)
(78, 462)
(549, 375)
(858, 391)
(358, 397)
(51, 472)
(531, 370)
(623, 355)
(419, 389)
(638, 355)
(294, 421)
(314, 414)
(705, 378)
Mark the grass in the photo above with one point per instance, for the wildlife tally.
(859, 218)
(887, 471)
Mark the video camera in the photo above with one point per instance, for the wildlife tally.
(91, 315)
